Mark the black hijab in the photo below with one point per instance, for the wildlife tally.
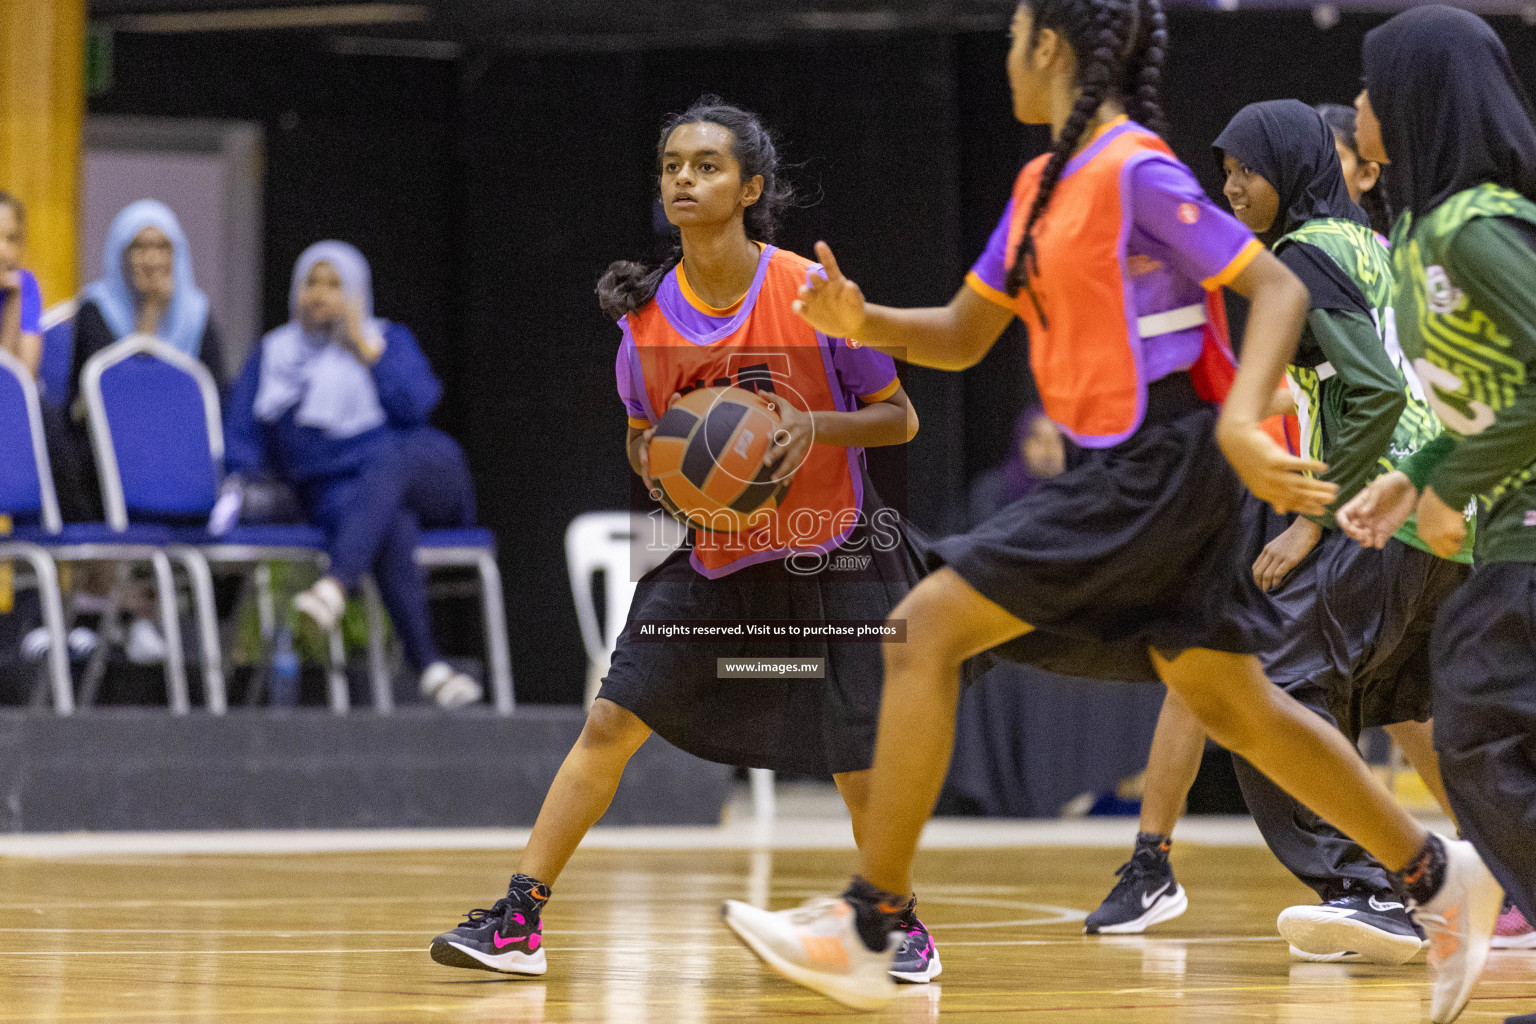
(1452, 113)
(1289, 145)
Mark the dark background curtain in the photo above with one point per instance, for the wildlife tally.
(491, 189)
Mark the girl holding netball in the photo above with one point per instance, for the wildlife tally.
(1443, 107)
(719, 312)
(1136, 544)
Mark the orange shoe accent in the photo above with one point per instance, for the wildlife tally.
(1447, 943)
(825, 951)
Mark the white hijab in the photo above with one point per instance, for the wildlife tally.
(314, 374)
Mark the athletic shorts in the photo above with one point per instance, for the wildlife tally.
(1358, 625)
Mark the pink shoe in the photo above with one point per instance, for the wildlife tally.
(1513, 931)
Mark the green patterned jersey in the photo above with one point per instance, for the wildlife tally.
(1467, 319)
(1358, 362)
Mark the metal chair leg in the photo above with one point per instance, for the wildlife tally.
(495, 617)
(336, 672)
(107, 634)
(378, 667)
(266, 607)
(47, 576)
(206, 616)
(170, 626)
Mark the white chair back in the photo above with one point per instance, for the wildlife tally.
(623, 546)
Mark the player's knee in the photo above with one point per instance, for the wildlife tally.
(611, 726)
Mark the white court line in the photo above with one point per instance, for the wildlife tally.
(1079, 940)
(788, 834)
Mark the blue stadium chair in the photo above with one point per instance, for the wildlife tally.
(58, 352)
(159, 443)
(27, 494)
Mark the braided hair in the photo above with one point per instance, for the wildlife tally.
(1120, 45)
(627, 286)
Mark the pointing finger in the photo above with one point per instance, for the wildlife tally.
(824, 254)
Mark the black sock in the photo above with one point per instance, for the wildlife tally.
(1152, 846)
(907, 919)
(1424, 874)
(872, 913)
(528, 892)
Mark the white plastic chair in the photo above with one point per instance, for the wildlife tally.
(624, 546)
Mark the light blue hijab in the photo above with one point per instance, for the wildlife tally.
(183, 324)
(313, 373)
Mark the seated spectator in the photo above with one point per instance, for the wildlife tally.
(335, 403)
(21, 301)
(146, 287)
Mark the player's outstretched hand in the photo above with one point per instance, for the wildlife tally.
(1379, 510)
(1273, 474)
(1440, 526)
(834, 306)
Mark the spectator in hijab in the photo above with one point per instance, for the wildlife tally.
(335, 403)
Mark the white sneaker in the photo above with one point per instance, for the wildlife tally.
(34, 646)
(817, 945)
(80, 641)
(145, 645)
(1459, 921)
(448, 688)
(323, 603)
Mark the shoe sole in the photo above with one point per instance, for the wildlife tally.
(453, 954)
(1165, 909)
(933, 970)
(1325, 958)
(1327, 935)
(1525, 940)
(813, 980)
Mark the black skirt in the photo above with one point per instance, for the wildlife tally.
(808, 726)
(1138, 546)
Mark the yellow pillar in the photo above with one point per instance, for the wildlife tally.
(42, 108)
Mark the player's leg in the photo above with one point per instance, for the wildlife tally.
(1362, 916)
(842, 947)
(917, 958)
(1485, 718)
(1417, 740)
(1245, 713)
(1147, 893)
(508, 937)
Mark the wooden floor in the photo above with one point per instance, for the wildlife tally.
(634, 936)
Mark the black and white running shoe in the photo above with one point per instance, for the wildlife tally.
(1146, 894)
(1373, 929)
(507, 938)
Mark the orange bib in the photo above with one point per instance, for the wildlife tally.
(765, 348)
(1087, 356)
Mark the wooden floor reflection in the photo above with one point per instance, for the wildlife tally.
(635, 936)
